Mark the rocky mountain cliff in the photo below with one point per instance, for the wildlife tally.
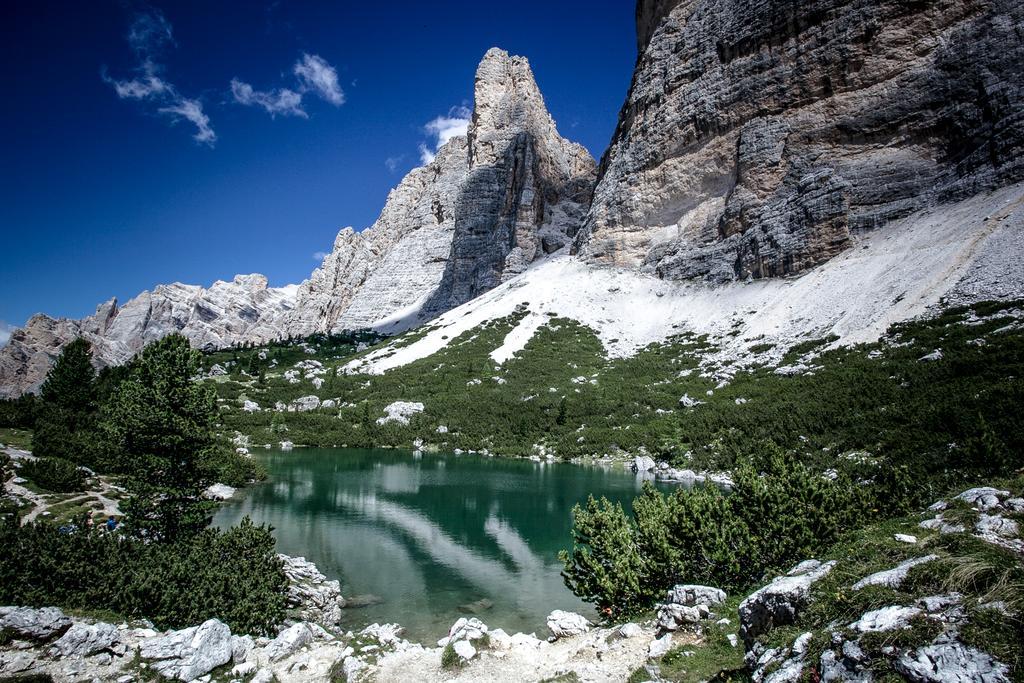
(245, 308)
(491, 202)
(760, 137)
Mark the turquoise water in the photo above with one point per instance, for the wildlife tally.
(435, 537)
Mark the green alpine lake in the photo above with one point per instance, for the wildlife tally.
(427, 538)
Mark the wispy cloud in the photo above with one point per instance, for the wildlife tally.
(312, 75)
(5, 332)
(442, 129)
(148, 36)
(392, 163)
(320, 255)
(283, 101)
(192, 110)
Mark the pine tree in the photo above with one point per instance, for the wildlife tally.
(66, 419)
(71, 381)
(162, 424)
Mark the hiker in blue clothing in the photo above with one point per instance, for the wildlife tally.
(111, 523)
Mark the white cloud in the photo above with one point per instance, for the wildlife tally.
(314, 73)
(392, 163)
(192, 110)
(320, 255)
(5, 332)
(444, 128)
(283, 101)
(149, 33)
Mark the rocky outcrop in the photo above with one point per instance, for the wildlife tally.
(396, 263)
(189, 653)
(527, 189)
(33, 624)
(311, 595)
(563, 624)
(759, 138)
(778, 603)
(490, 203)
(226, 313)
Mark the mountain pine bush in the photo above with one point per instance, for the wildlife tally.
(775, 514)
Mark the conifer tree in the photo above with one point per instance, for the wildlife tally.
(162, 424)
(65, 422)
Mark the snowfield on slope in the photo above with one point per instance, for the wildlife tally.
(963, 252)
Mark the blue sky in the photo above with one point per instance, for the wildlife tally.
(189, 141)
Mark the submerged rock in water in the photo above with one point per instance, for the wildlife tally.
(364, 600)
(477, 606)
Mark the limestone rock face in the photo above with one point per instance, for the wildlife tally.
(245, 309)
(490, 203)
(527, 189)
(759, 137)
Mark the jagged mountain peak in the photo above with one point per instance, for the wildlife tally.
(491, 202)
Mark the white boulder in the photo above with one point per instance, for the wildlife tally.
(892, 578)
(33, 624)
(949, 661)
(659, 646)
(885, 619)
(464, 629)
(983, 497)
(288, 641)
(400, 412)
(464, 649)
(219, 491)
(692, 595)
(189, 653)
(562, 624)
(83, 640)
(643, 463)
(778, 603)
(305, 404)
(630, 630)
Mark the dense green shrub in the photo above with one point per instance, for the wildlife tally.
(776, 514)
(54, 474)
(231, 575)
(19, 413)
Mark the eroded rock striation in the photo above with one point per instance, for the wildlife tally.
(759, 138)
